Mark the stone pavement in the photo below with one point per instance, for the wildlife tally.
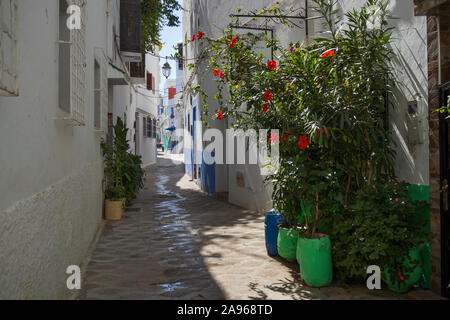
(176, 242)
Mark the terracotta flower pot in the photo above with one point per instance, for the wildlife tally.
(114, 210)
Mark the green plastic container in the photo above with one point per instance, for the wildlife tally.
(414, 276)
(315, 263)
(298, 253)
(287, 243)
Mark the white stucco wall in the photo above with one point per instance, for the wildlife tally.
(51, 174)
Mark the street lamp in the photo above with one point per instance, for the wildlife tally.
(166, 69)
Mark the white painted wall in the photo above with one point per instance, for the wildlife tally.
(51, 173)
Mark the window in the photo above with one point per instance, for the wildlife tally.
(144, 126)
(149, 127)
(97, 95)
(154, 128)
(100, 92)
(8, 48)
(72, 64)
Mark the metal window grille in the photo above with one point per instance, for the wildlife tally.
(78, 67)
(144, 126)
(154, 128)
(8, 48)
(149, 127)
(103, 89)
(77, 64)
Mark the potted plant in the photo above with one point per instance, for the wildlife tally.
(123, 172)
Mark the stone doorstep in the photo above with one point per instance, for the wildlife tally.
(424, 295)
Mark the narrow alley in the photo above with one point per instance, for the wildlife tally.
(176, 242)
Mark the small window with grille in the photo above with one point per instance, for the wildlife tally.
(149, 127)
(154, 128)
(144, 126)
(8, 48)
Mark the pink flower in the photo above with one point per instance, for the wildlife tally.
(266, 107)
(402, 278)
(193, 38)
(396, 199)
(374, 186)
(273, 138)
(221, 74)
(216, 71)
(220, 115)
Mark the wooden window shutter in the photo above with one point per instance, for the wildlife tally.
(149, 81)
(172, 93)
(130, 26)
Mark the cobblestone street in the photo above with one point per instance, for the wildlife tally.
(176, 242)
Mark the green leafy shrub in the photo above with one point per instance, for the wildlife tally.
(124, 174)
(378, 227)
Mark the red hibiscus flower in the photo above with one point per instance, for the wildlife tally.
(193, 38)
(220, 115)
(286, 136)
(328, 53)
(233, 40)
(266, 107)
(221, 75)
(273, 138)
(272, 65)
(303, 142)
(216, 71)
(200, 35)
(268, 96)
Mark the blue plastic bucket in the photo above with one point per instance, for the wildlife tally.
(271, 222)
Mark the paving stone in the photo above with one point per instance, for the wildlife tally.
(184, 244)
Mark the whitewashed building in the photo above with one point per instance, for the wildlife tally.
(57, 88)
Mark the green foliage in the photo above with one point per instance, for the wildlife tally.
(155, 14)
(329, 104)
(379, 228)
(124, 175)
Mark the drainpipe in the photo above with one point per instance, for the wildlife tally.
(439, 49)
(306, 22)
